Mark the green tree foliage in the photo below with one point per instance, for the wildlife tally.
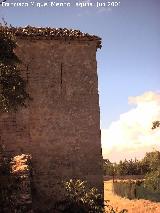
(151, 162)
(155, 124)
(108, 167)
(152, 159)
(152, 180)
(12, 86)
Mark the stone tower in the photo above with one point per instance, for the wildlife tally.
(60, 128)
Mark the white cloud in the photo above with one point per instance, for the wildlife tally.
(131, 136)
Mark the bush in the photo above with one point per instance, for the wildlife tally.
(7, 184)
(152, 181)
(80, 199)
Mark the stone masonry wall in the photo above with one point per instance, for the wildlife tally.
(60, 128)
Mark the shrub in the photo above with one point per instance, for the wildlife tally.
(7, 184)
(152, 180)
(80, 199)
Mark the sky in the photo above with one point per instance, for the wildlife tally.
(128, 65)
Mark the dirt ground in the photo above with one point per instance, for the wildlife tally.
(133, 206)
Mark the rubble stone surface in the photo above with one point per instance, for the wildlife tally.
(60, 128)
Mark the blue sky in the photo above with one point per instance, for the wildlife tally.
(128, 64)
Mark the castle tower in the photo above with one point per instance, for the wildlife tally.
(60, 128)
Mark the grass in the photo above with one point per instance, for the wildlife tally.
(134, 189)
(133, 206)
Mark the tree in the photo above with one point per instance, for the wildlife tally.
(152, 179)
(2, 1)
(12, 86)
(155, 124)
(108, 167)
(152, 159)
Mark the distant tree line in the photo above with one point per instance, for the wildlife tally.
(150, 163)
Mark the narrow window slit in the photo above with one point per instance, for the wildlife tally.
(61, 76)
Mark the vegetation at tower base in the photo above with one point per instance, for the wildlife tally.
(15, 183)
(12, 86)
(5, 183)
(80, 199)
